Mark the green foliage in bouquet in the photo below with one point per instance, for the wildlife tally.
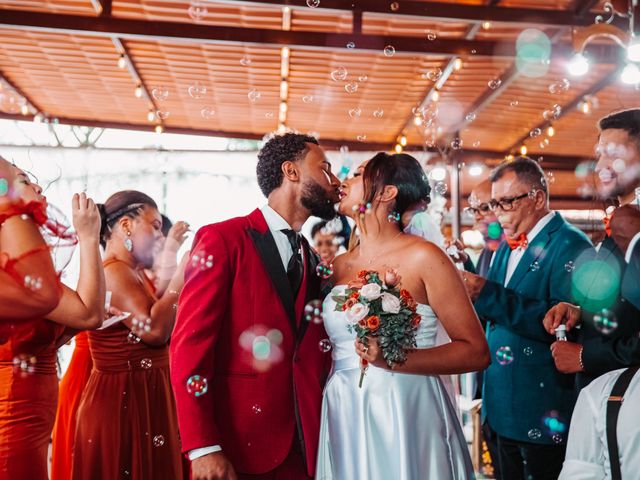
(378, 307)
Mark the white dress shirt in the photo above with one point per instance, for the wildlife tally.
(587, 456)
(632, 245)
(516, 254)
(276, 223)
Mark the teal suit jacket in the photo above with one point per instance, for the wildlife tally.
(523, 388)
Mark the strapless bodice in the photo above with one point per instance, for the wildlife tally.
(343, 351)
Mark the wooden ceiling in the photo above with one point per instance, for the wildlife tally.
(61, 58)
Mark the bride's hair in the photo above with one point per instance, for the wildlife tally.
(400, 170)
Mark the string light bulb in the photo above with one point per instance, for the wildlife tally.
(551, 131)
(403, 140)
(523, 150)
(159, 129)
(122, 62)
(457, 65)
(398, 148)
(138, 91)
(151, 116)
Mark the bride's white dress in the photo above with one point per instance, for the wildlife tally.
(397, 426)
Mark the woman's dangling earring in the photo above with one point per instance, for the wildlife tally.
(128, 244)
(393, 217)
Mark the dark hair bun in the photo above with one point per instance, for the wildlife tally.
(401, 170)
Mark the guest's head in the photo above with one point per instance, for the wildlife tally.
(625, 224)
(166, 225)
(295, 166)
(479, 200)
(391, 184)
(19, 184)
(519, 195)
(131, 226)
(618, 154)
(325, 241)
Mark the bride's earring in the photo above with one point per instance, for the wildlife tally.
(362, 208)
(393, 217)
(128, 244)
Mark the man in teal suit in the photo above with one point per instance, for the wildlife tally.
(526, 401)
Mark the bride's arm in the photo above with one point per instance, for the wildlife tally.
(468, 350)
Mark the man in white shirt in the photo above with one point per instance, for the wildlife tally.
(527, 276)
(587, 450)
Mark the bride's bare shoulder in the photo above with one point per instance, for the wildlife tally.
(340, 261)
(424, 251)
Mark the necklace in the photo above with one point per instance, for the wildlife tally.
(375, 257)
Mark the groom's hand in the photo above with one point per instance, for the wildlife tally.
(213, 466)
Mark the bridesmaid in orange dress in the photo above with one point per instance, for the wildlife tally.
(126, 423)
(77, 375)
(71, 387)
(35, 309)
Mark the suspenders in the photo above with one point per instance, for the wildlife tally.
(613, 409)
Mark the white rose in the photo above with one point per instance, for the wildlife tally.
(390, 303)
(357, 313)
(371, 291)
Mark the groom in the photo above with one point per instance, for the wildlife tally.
(246, 368)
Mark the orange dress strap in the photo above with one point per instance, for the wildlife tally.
(146, 282)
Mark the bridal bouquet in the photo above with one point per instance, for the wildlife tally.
(378, 307)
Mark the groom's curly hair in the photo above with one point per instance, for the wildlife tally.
(277, 150)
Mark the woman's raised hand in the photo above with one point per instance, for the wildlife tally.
(86, 218)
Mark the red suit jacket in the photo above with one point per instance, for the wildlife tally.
(235, 283)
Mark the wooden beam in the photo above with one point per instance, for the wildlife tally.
(571, 106)
(121, 48)
(489, 95)
(583, 7)
(183, 31)
(445, 11)
(20, 92)
(446, 73)
(106, 7)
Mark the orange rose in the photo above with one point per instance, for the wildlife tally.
(373, 323)
(415, 320)
(408, 299)
(355, 295)
(362, 274)
(349, 303)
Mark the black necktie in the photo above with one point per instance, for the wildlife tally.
(294, 267)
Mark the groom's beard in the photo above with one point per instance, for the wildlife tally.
(317, 201)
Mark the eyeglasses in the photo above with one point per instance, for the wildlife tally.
(506, 204)
(480, 209)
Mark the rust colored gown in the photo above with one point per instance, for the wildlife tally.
(71, 388)
(126, 423)
(28, 377)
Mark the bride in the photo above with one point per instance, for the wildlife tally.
(400, 425)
